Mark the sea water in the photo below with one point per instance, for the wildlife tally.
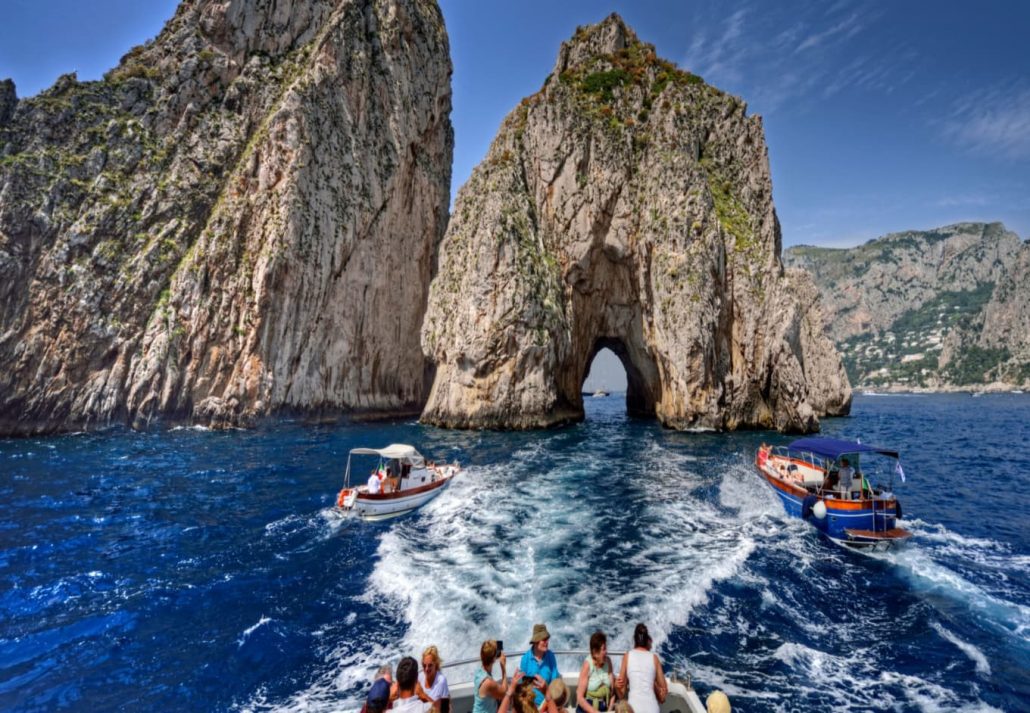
(199, 570)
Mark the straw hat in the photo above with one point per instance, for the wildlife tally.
(540, 633)
(718, 702)
(559, 692)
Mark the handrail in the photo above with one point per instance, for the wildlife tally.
(570, 652)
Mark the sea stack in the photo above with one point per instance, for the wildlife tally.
(239, 220)
(627, 205)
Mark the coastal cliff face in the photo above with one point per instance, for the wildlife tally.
(240, 219)
(625, 205)
(939, 309)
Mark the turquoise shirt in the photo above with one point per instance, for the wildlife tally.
(546, 669)
(480, 704)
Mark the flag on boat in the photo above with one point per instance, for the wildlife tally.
(900, 471)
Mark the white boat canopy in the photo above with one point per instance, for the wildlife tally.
(398, 451)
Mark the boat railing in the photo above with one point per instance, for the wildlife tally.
(804, 456)
(556, 652)
(684, 678)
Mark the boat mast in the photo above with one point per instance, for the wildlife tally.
(346, 475)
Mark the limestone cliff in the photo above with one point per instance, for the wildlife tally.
(626, 205)
(239, 219)
(936, 309)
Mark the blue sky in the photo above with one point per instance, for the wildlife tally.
(880, 116)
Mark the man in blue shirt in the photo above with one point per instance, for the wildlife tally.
(539, 662)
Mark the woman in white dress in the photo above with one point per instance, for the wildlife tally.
(641, 672)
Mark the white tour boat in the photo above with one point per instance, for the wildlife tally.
(415, 482)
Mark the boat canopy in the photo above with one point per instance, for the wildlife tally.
(398, 451)
(834, 448)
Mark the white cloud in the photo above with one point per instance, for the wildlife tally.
(993, 121)
(848, 27)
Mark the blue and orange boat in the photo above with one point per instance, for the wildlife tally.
(828, 482)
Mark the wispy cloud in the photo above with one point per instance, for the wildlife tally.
(993, 121)
(793, 54)
(963, 200)
(848, 27)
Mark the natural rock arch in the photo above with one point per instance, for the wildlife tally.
(643, 385)
(626, 203)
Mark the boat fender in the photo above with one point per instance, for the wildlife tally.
(806, 506)
(897, 509)
(819, 510)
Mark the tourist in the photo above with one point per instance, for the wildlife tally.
(375, 483)
(641, 675)
(432, 686)
(520, 696)
(596, 688)
(557, 696)
(486, 691)
(718, 702)
(391, 483)
(538, 663)
(845, 476)
(622, 707)
(378, 698)
(407, 680)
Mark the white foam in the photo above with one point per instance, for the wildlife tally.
(921, 568)
(975, 655)
(251, 629)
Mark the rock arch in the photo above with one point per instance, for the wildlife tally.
(626, 204)
(643, 384)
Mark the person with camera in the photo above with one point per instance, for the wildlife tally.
(487, 691)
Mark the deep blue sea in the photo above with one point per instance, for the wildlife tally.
(198, 570)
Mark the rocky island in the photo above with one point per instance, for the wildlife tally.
(931, 310)
(628, 205)
(239, 220)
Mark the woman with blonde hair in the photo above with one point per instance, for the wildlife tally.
(485, 690)
(521, 696)
(432, 685)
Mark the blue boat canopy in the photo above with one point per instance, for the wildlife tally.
(834, 448)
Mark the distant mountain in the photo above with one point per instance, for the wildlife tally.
(936, 309)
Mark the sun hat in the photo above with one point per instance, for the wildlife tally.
(539, 633)
(718, 703)
(559, 692)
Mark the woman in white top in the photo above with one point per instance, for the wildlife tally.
(641, 672)
(432, 686)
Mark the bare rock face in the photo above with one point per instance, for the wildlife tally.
(1006, 328)
(239, 220)
(626, 205)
